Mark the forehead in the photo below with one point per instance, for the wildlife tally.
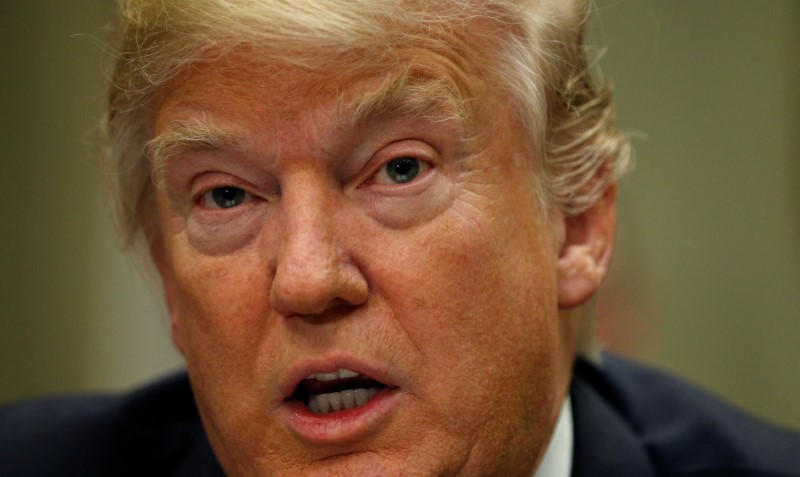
(278, 97)
(245, 90)
(265, 66)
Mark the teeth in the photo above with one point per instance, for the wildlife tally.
(348, 399)
(338, 374)
(323, 403)
(361, 396)
(346, 373)
(337, 401)
(326, 376)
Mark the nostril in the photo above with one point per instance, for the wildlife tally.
(333, 312)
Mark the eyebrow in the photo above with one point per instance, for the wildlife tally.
(408, 94)
(187, 135)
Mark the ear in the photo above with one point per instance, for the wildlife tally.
(158, 255)
(586, 252)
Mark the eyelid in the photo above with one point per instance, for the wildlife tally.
(206, 198)
(425, 166)
(426, 154)
(204, 184)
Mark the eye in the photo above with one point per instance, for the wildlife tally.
(224, 197)
(401, 170)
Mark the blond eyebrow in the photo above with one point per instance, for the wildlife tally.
(408, 94)
(187, 135)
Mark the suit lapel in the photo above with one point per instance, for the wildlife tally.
(605, 445)
(199, 460)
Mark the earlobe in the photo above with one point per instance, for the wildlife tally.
(586, 252)
(579, 273)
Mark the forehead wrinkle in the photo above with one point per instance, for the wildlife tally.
(186, 135)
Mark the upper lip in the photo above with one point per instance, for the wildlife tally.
(302, 368)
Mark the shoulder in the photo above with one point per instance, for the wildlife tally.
(152, 431)
(684, 430)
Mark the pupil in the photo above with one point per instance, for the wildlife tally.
(403, 169)
(226, 197)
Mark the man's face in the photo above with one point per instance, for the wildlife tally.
(388, 267)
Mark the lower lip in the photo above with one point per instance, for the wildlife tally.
(340, 426)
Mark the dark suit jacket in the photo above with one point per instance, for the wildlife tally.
(629, 422)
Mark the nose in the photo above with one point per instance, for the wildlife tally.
(314, 271)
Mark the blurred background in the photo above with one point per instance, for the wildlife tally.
(705, 281)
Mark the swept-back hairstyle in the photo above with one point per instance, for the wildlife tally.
(530, 51)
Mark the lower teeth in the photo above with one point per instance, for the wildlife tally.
(337, 401)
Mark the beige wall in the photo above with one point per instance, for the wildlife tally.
(708, 270)
(75, 314)
(706, 281)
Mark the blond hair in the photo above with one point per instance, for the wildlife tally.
(531, 52)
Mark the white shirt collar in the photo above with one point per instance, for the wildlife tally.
(557, 461)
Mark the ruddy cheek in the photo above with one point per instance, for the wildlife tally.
(219, 315)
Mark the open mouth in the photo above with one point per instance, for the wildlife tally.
(340, 390)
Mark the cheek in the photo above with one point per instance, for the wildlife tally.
(483, 273)
(221, 297)
(222, 310)
(480, 305)
(491, 313)
(211, 289)
(221, 304)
